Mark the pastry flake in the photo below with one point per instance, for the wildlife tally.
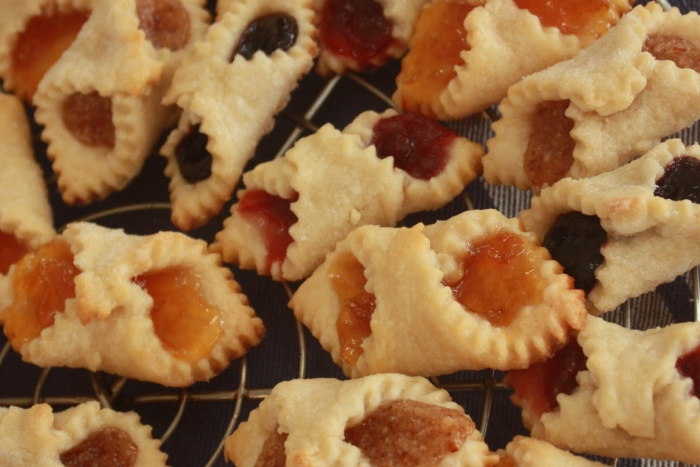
(530, 452)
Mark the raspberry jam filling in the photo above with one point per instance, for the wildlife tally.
(539, 385)
(11, 251)
(267, 34)
(40, 45)
(434, 52)
(574, 241)
(688, 365)
(681, 180)
(407, 432)
(680, 51)
(418, 144)
(550, 151)
(273, 453)
(88, 117)
(273, 217)
(193, 159)
(42, 283)
(500, 277)
(356, 305)
(165, 22)
(356, 29)
(107, 447)
(186, 325)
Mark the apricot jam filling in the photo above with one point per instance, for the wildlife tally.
(407, 432)
(500, 277)
(688, 365)
(680, 51)
(356, 305)
(109, 446)
(40, 45)
(42, 283)
(681, 180)
(88, 117)
(11, 250)
(434, 53)
(550, 151)
(166, 23)
(273, 453)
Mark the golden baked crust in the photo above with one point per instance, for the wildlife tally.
(531, 452)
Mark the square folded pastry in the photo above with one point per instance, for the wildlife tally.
(387, 419)
(464, 55)
(615, 100)
(157, 308)
(617, 392)
(230, 87)
(380, 168)
(531, 452)
(623, 233)
(100, 102)
(82, 435)
(469, 293)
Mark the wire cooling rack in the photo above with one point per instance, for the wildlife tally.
(192, 423)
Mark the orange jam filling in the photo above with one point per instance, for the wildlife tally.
(550, 151)
(186, 325)
(88, 117)
(166, 23)
(680, 51)
(40, 45)
(407, 432)
(507, 461)
(356, 305)
(11, 251)
(273, 453)
(109, 446)
(434, 53)
(42, 283)
(500, 277)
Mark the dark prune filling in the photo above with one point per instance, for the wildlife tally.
(688, 365)
(267, 34)
(681, 180)
(193, 159)
(574, 241)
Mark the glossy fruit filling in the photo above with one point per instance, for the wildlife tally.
(107, 447)
(434, 52)
(273, 453)
(688, 365)
(681, 180)
(680, 51)
(500, 277)
(187, 326)
(407, 432)
(88, 117)
(193, 159)
(42, 283)
(539, 385)
(550, 150)
(418, 144)
(267, 34)
(356, 29)
(40, 45)
(574, 241)
(166, 23)
(272, 216)
(11, 251)
(356, 305)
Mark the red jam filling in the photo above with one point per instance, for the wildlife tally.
(165, 22)
(688, 365)
(273, 217)
(418, 144)
(88, 117)
(108, 447)
(11, 251)
(680, 51)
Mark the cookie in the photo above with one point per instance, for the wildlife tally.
(531, 452)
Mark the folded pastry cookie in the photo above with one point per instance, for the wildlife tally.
(623, 233)
(157, 308)
(82, 435)
(531, 452)
(382, 167)
(464, 55)
(100, 103)
(468, 293)
(615, 100)
(633, 393)
(387, 419)
(237, 78)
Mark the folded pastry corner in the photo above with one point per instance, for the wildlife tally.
(523, 451)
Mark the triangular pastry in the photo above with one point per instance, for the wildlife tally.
(230, 87)
(387, 419)
(157, 308)
(468, 293)
(615, 100)
(380, 168)
(530, 452)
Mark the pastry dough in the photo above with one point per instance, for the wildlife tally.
(363, 188)
(417, 325)
(314, 414)
(631, 400)
(37, 436)
(618, 99)
(117, 319)
(231, 104)
(531, 452)
(650, 239)
(498, 39)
